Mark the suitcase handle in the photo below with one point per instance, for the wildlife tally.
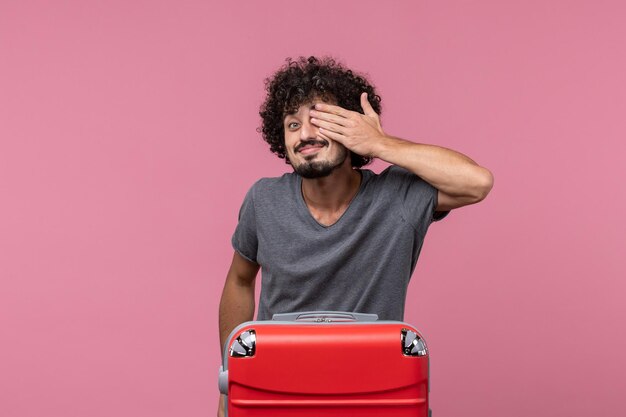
(324, 316)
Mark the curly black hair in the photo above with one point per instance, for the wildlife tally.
(299, 82)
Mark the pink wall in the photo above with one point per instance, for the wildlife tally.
(127, 142)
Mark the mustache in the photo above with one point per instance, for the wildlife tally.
(310, 142)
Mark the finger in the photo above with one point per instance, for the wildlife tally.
(320, 135)
(328, 134)
(330, 126)
(329, 117)
(330, 108)
(368, 110)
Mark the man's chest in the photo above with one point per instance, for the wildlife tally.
(327, 218)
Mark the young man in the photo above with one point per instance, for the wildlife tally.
(330, 235)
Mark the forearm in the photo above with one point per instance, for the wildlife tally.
(449, 171)
(236, 306)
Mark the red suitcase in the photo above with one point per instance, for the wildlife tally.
(325, 364)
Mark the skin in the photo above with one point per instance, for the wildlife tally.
(327, 197)
(335, 132)
(459, 180)
(237, 302)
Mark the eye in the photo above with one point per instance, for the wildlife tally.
(291, 125)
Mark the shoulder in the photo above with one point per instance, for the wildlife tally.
(267, 191)
(395, 177)
(274, 184)
(397, 183)
(397, 172)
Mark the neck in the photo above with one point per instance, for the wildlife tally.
(334, 192)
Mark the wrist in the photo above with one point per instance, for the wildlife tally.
(385, 147)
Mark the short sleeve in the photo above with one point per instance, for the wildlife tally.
(245, 240)
(418, 198)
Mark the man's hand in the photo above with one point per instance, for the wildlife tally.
(360, 133)
(460, 180)
(220, 406)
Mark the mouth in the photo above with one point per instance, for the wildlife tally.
(306, 148)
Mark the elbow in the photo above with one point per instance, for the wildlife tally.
(483, 185)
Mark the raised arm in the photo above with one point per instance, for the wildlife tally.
(459, 180)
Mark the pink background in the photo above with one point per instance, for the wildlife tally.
(127, 142)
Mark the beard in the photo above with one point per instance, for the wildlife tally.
(319, 169)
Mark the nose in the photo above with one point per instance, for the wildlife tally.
(308, 130)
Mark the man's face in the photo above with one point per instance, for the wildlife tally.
(310, 155)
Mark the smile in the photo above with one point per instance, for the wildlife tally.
(308, 149)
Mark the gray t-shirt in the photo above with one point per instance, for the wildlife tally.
(361, 263)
